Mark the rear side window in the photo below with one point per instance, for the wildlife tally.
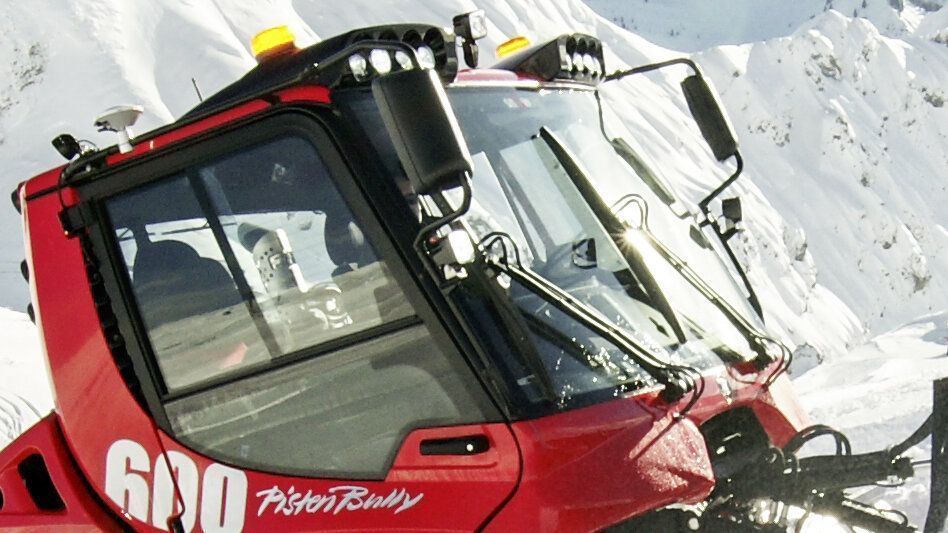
(282, 340)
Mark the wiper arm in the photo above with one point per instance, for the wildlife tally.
(614, 228)
(754, 337)
(677, 379)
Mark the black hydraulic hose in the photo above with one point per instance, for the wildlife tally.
(918, 436)
(843, 447)
(677, 379)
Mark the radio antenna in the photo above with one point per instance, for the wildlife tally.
(197, 89)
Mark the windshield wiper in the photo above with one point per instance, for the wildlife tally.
(616, 228)
(678, 380)
(613, 227)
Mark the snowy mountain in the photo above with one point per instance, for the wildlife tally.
(845, 130)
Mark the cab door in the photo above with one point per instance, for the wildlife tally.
(298, 377)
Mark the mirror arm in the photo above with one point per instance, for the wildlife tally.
(619, 74)
(724, 237)
(706, 202)
(446, 218)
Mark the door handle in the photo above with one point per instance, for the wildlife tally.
(467, 445)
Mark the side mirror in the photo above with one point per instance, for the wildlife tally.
(708, 113)
(423, 128)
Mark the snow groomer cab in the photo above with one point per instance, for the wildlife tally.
(362, 288)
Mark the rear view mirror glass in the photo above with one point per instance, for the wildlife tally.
(708, 113)
(423, 128)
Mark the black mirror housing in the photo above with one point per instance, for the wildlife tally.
(708, 113)
(419, 119)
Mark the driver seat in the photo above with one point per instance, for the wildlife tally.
(172, 282)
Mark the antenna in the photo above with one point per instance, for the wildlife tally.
(120, 120)
(197, 89)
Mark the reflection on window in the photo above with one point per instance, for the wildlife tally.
(237, 264)
(247, 259)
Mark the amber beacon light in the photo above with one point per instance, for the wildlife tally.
(271, 42)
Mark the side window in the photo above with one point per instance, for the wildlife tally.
(282, 340)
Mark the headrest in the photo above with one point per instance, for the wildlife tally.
(162, 257)
(345, 242)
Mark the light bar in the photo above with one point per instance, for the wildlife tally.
(577, 57)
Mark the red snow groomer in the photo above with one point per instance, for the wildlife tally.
(360, 289)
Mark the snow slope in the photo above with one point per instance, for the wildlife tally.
(851, 148)
(66, 61)
(24, 388)
(694, 26)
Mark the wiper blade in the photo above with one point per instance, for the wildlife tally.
(613, 226)
(616, 228)
(678, 380)
(754, 337)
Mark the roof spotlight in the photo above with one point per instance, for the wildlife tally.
(381, 61)
(575, 57)
(403, 60)
(426, 57)
(470, 27)
(359, 66)
(588, 63)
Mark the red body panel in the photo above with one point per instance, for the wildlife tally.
(579, 470)
(81, 508)
(589, 468)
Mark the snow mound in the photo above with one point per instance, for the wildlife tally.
(878, 395)
(24, 388)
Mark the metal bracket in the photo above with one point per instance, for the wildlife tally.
(76, 218)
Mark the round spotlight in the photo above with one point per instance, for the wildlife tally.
(426, 57)
(577, 61)
(588, 62)
(381, 61)
(597, 66)
(403, 60)
(359, 66)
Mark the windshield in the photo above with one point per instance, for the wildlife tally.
(522, 190)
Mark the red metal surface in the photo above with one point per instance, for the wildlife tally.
(592, 467)
(81, 511)
(189, 130)
(307, 93)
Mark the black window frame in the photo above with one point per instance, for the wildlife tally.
(316, 125)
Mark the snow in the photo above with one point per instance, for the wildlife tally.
(839, 106)
(24, 387)
(878, 394)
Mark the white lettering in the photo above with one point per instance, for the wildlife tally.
(224, 501)
(336, 500)
(409, 502)
(164, 501)
(221, 495)
(125, 461)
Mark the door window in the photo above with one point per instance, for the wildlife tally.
(282, 340)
